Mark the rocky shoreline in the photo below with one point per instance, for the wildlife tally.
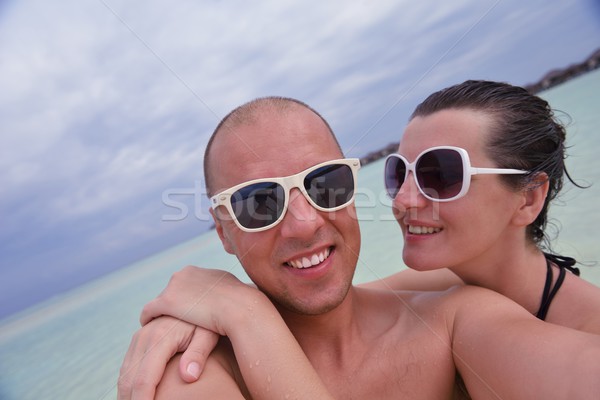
(552, 78)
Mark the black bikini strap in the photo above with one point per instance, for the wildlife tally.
(548, 294)
(563, 262)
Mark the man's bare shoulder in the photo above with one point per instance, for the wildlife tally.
(220, 378)
(468, 300)
(448, 297)
(436, 310)
(414, 314)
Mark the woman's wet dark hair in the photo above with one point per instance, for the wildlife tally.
(525, 135)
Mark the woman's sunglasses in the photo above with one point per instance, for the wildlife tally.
(261, 204)
(441, 173)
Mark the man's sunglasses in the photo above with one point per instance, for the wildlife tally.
(441, 173)
(261, 204)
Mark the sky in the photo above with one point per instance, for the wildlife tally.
(106, 106)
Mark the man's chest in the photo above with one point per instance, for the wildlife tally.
(421, 368)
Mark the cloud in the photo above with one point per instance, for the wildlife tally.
(106, 105)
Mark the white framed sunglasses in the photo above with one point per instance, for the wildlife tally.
(260, 204)
(442, 173)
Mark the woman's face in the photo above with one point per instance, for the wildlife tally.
(462, 233)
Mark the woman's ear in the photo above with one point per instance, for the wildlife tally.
(227, 245)
(534, 197)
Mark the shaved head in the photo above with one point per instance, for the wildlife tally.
(249, 114)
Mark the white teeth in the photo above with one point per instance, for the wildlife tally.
(422, 230)
(310, 261)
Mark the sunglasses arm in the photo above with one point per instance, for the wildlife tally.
(501, 171)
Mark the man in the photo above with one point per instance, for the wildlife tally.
(362, 343)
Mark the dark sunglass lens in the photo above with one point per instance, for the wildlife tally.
(330, 186)
(394, 175)
(440, 173)
(258, 205)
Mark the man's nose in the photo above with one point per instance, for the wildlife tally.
(301, 220)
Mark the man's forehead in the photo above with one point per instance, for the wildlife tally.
(270, 158)
(269, 142)
(243, 157)
(268, 134)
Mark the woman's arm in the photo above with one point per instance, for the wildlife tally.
(502, 351)
(409, 279)
(270, 359)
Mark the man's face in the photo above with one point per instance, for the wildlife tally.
(277, 145)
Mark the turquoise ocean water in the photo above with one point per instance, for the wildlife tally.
(71, 347)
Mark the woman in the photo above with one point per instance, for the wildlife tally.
(489, 227)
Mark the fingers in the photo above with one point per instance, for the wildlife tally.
(194, 357)
(149, 352)
(125, 382)
(136, 379)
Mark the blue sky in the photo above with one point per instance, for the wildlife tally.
(106, 105)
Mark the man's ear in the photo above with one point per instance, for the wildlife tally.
(534, 197)
(227, 245)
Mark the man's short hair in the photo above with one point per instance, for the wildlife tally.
(248, 113)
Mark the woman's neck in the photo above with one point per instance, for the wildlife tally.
(518, 275)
